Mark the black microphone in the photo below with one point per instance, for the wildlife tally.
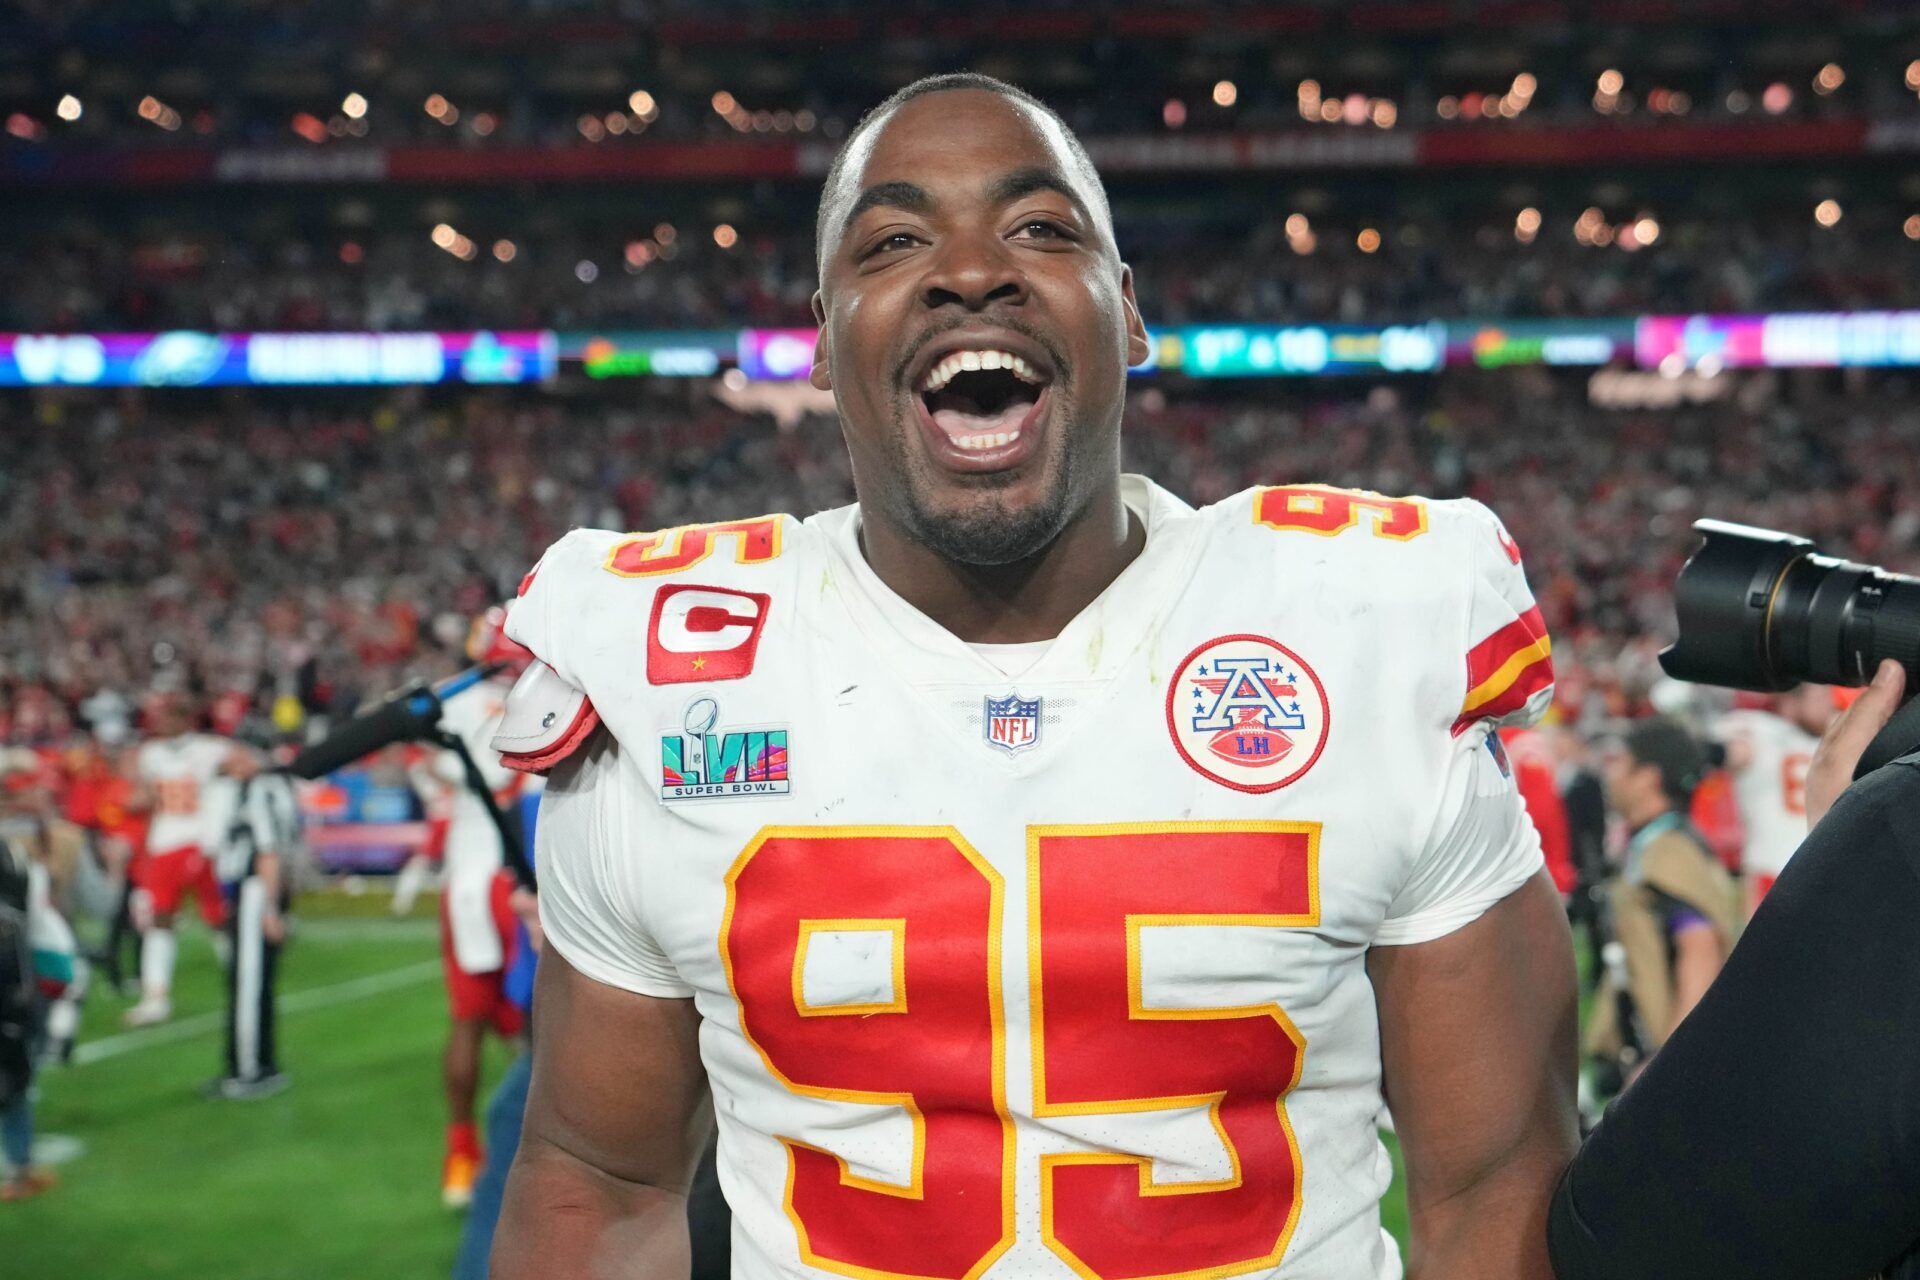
(405, 716)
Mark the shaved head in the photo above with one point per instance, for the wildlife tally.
(839, 196)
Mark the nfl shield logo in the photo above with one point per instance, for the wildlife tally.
(1013, 723)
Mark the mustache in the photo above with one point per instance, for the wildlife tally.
(1062, 367)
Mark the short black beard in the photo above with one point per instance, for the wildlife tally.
(990, 534)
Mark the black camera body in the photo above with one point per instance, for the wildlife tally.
(1767, 611)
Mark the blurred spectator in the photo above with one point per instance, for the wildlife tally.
(1673, 906)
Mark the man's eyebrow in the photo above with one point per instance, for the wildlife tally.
(1009, 187)
(899, 195)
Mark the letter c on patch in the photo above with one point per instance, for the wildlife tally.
(704, 633)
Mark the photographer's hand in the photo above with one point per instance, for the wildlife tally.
(1848, 736)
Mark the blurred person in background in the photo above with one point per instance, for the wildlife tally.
(1584, 800)
(1769, 750)
(173, 769)
(1536, 772)
(478, 925)
(1672, 905)
(37, 965)
(258, 816)
(57, 848)
(104, 802)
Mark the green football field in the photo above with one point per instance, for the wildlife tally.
(335, 1179)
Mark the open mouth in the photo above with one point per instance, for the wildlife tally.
(982, 400)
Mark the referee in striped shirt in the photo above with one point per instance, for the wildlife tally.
(258, 830)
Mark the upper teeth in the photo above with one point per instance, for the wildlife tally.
(970, 361)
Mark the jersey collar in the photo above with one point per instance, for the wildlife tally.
(1092, 647)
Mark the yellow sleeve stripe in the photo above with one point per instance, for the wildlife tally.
(1508, 674)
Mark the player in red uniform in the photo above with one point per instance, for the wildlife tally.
(173, 769)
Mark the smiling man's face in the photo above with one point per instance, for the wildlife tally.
(976, 326)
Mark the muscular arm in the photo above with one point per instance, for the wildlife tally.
(1477, 1040)
(616, 1120)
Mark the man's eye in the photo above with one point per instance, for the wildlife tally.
(898, 240)
(1047, 230)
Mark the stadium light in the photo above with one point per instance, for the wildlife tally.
(504, 250)
(665, 233)
(1912, 226)
(1309, 93)
(1913, 75)
(643, 105)
(1368, 241)
(444, 236)
(1610, 82)
(1225, 93)
(591, 129)
(1646, 230)
(585, 272)
(1777, 97)
(724, 104)
(69, 108)
(1827, 213)
(154, 111)
(725, 236)
(353, 106)
(1830, 77)
(1174, 113)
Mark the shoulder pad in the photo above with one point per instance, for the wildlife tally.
(545, 720)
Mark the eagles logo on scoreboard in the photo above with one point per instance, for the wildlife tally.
(1248, 713)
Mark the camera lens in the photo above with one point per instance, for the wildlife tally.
(1765, 610)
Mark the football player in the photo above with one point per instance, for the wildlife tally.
(1768, 753)
(171, 771)
(1034, 875)
(476, 920)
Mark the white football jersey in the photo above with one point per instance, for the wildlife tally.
(1053, 974)
(1771, 791)
(178, 770)
(473, 852)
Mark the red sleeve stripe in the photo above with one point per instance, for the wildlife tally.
(1506, 670)
(1493, 656)
(1523, 690)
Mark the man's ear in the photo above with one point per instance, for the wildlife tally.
(1137, 346)
(821, 376)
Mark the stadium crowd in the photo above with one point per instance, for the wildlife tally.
(561, 73)
(648, 273)
(296, 555)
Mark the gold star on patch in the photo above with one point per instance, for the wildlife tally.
(699, 663)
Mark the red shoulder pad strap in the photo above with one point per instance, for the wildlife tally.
(545, 720)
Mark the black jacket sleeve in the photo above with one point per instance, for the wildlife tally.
(1776, 1136)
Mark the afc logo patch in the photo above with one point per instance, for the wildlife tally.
(1248, 713)
(704, 633)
